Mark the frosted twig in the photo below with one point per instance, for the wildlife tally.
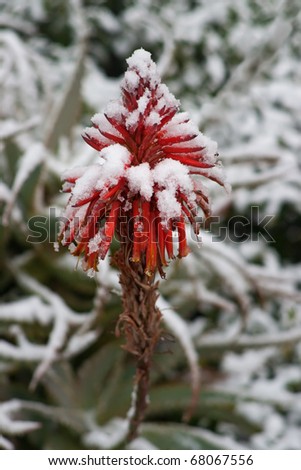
(63, 319)
(11, 427)
(218, 342)
(10, 128)
(255, 63)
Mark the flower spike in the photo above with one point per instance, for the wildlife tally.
(151, 156)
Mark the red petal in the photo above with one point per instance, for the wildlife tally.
(110, 224)
(169, 244)
(183, 247)
(174, 149)
(151, 252)
(137, 235)
(161, 244)
(96, 144)
(176, 139)
(189, 161)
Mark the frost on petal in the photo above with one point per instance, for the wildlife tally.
(115, 110)
(132, 120)
(140, 180)
(84, 187)
(141, 61)
(167, 99)
(173, 175)
(73, 174)
(94, 138)
(130, 81)
(95, 242)
(168, 205)
(174, 179)
(116, 158)
(105, 128)
(211, 148)
(153, 119)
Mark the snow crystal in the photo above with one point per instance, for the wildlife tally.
(130, 81)
(143, 102)
(141, 61)
(167, 98)
(116, 158)
(92, 132)
(131, 121)
(179, 118)
(168, 205)
(140, 443)
(173, 175)
(211, 148)
(152, 119)
(95, 242)
(115, 109)
(174, 128)
(74, 173)
(108, 436)
(72, 247)
(85, 185)
(127, 206)
(100, 121)
(140, 180)
(139, 58)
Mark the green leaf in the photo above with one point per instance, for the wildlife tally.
(66, 110)
(180, 436)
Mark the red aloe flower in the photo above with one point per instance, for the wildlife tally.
(146, 183)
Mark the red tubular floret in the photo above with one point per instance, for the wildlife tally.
(151, 251)
(137, 234)
(161, 243)
(183, 247)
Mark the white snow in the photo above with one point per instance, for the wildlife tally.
(94, 133)
(143, 102)
(116, 159)
(108, 436)
(141, 62)
(140, 180)
(172, 175)
(168, 205)
(85, 185)
(152, 119)
(132, 120)
(74, 173)
(115, 109)
(94, 243)
(101, 122)
(130, 81)
(98, 177)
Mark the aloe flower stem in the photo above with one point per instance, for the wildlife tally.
(140, 322)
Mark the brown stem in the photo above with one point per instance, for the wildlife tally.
(140, 323)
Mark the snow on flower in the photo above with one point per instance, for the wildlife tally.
(147, 177)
